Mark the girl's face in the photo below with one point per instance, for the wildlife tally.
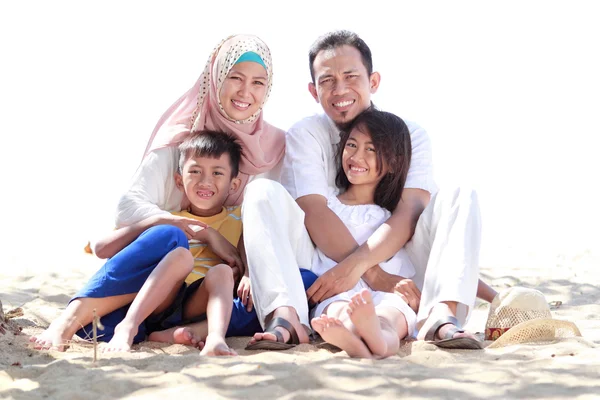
(359, 159)
(244, 89)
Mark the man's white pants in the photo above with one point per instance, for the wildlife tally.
(444, 250)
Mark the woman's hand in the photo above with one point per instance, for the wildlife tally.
(244, 293)
(189, 226)
(220, 246)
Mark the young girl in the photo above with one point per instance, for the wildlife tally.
(373, 161)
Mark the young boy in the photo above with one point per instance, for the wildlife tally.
(208, 169)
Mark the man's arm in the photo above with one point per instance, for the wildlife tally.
(363, 262)
(333, 238)
(389, 238)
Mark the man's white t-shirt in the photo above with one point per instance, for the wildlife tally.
(309, 166)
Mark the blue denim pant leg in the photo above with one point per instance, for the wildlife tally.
(245, 323)
(127, 271)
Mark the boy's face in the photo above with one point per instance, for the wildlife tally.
(342, 85)
(207, 182)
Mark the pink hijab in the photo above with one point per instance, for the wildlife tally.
(200, 108)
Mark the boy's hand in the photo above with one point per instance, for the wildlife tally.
(220, 246)
(244, 293)
(189, 226)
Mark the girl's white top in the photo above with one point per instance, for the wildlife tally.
(362, 220)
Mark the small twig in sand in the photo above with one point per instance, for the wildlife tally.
(95, 325)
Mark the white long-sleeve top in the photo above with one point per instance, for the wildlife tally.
(153, 190)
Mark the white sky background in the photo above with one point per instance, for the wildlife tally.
(508, 91)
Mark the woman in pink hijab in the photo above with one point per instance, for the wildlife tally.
(229, 96)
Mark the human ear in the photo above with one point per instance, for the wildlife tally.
(179, 181)
(234, 185)
(313, 91)
(374, 81)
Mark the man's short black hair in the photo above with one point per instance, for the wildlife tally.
(335, 39)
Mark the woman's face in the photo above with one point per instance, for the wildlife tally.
(244, 90)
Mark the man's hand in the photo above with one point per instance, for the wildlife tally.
(335, 281)
(244, 293)
(220, 246)
(409, 292)
(188, 225)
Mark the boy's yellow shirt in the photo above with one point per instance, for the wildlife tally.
(228, 223)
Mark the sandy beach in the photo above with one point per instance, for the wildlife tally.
(565, 368)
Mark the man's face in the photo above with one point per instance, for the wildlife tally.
(342, 85)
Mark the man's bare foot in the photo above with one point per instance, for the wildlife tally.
(122, 339)
(216, 346)
(333, 331)
(55, 337)
(180, 335)
(362, 314)
(289, 314)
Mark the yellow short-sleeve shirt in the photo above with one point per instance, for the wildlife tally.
(228, 223)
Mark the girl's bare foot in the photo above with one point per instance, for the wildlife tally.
(55, 337)
(180, 335)
(333, 331)
(216, 346)
(122, 339)
(362, 314)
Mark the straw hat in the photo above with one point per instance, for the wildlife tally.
(521, 315)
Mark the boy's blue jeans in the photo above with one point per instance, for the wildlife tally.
(129, 269)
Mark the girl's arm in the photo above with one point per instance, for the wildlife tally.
(389, 238)
(325, 228)
(363, 262)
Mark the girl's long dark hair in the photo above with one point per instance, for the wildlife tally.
(391, 139)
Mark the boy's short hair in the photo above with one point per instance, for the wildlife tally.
(212, 144)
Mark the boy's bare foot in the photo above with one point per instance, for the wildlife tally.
(289, 314)
(362, 314)
(122, 339)
(216, 346)
(55, 337)
(180, 335)
(333, 331)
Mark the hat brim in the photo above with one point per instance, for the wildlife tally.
(536, 331)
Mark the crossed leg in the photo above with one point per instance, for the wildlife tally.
(157, 293)
(362, 329)
(214, 297)
(335, 327)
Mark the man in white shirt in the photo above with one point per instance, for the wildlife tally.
(440, 231)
